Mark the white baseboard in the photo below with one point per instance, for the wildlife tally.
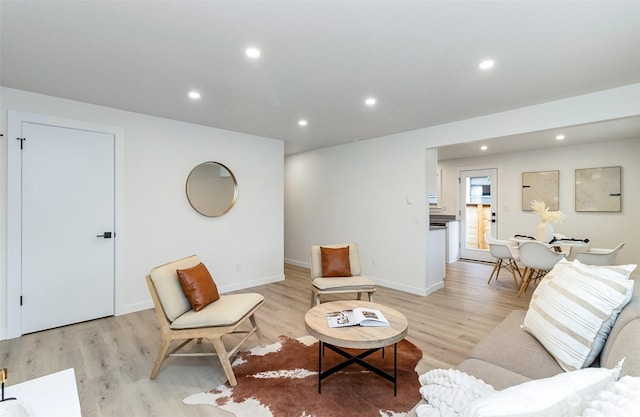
(297, 263)
(409, 289)
(134, 307)
(250, 284)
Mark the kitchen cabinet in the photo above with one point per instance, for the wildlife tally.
(453, 241)
(436, 249)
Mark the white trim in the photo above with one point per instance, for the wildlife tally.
(14, 210)
(423, 292)
(297, 263)
(384, 283)
(250, 284)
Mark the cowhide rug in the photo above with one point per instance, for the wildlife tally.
(281, 380)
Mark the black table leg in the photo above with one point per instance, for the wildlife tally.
(359, 359)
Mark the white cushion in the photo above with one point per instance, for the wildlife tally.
(620, 399)
(165, 279)
(354, 283)
(569, 310)
(564, 394)
(226, 311)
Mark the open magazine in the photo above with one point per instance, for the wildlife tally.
(356, 317)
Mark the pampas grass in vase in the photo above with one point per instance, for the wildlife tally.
(544, 230)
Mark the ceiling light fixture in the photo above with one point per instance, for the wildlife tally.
(303, 122)
(486, 64)
(559, 137)
(370, 101)
(194, 95)
(252, 52)
(484, 147)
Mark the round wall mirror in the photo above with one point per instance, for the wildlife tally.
(211, 189)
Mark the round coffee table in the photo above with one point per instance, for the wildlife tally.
(356, 337)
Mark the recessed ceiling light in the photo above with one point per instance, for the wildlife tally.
(484, 147)
(252, 52)
(559, 137)
(194, 95)
(370, 101)
(486, 64)
(302, 122)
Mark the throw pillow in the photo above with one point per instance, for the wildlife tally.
(564, 394)
(573, 309)
(622, 272)
(335, 262)
(198, 286)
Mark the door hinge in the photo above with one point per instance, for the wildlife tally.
(20, 300)
(21, 141)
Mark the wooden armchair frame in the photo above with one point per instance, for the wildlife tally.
(214, 334)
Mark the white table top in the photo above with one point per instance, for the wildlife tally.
(54, 395)
(357, 337)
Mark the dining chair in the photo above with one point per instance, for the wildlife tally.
(335, 269)
(538, 259)
(180, 322)
(507, 254)
(599, 256)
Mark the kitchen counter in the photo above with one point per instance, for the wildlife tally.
(440, 221)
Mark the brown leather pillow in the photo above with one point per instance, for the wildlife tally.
(198, 286)
(335, 262)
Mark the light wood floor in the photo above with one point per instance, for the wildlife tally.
(112, 357)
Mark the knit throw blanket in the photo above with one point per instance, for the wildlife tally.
(448, 392)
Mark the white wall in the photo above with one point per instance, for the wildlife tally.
(604, 230)
(159, 224)
(358, 192)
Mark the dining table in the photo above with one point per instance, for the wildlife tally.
(558, 244)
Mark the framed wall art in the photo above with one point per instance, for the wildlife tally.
(599, 189)
(541, 186)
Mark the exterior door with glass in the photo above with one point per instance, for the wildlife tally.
(478, 212)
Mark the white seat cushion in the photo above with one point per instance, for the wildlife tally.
(226, 311)
(358, 282)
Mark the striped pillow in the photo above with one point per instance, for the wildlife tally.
(573, 309)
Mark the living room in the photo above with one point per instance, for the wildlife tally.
(369, 191)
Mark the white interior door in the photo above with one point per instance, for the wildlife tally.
(67, 201)
(478, 212)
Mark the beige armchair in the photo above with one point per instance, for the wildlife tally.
(178, 321)
(353, 282)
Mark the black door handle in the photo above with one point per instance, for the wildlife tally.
(106, 235)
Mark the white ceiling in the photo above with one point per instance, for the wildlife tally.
(319, 61)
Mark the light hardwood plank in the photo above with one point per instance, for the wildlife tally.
(113, 357)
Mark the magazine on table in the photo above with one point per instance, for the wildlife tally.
(356, 317)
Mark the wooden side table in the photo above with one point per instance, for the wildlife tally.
(370, 339)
